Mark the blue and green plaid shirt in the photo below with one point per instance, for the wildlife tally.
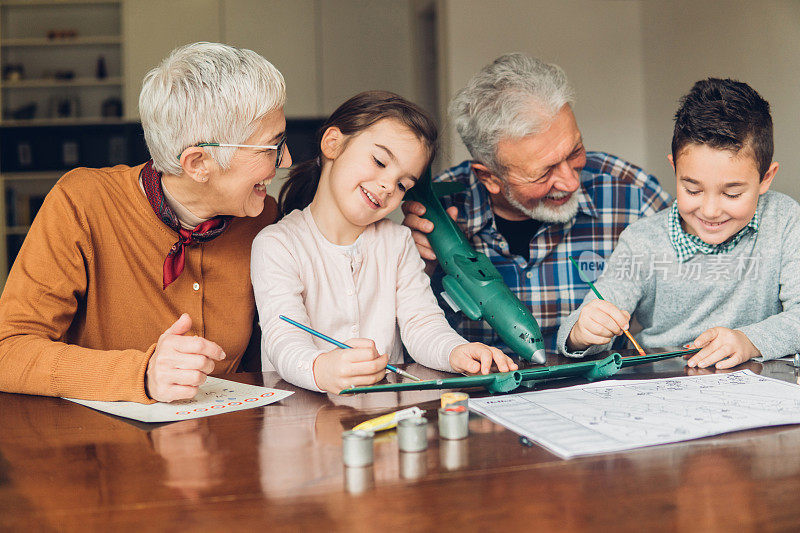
(613, 193)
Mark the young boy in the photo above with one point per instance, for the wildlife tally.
(721, 267)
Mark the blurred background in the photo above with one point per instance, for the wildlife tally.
(72, 70)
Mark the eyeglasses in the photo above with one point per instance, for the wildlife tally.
(279, 147)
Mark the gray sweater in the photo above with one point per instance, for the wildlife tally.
(754, 288)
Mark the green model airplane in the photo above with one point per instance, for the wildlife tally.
(472, 283)
(509, 381)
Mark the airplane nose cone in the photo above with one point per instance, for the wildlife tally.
(539, 357)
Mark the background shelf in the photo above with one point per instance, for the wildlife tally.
(17, 230)
(45, 83)
(75, 41)
(53, 3)
(32, 176)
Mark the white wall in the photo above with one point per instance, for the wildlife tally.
(755, 42)
(327, 50)
(151, 28)
(597, 43)
(286, 33)
(365, 44)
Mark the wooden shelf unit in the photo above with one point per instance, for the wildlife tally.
(71, 41)
(26, 28)
(38, 183)
(34, 63)
(48, 83)
(52, 3)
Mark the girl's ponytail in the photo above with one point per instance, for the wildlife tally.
(300, 187)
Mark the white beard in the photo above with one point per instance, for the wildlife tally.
(545, 213)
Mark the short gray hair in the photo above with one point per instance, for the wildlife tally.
(206, 92)
(497, 104)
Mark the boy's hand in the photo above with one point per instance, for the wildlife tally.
(725, 347)
(476, 357)
(345, 368)
(599, 322)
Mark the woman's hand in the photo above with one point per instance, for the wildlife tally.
(475, 357)
(180, 364)
(599, 322)
(346, 368)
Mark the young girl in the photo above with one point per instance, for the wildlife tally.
(335, 264)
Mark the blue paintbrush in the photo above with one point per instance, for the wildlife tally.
(344, 346)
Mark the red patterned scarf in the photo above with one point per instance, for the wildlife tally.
(204, 232)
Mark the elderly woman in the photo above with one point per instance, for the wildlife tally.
(133, 283)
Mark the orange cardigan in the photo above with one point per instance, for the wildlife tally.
(83, 305)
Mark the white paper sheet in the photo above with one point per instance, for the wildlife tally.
(610, 416)
(216, 396)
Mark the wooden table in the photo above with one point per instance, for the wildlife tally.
(66, 467)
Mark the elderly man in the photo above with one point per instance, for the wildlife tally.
(534, 196)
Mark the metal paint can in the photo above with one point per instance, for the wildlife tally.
(454, 422)
(412, 434)
(454, 398)
(357, 447)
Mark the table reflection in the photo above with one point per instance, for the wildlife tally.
(358, 480)
(454, 454)
(413, 465)
(193, 462)
(704, 506)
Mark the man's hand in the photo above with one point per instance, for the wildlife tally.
(725, 347)
(474, 358)
(352, 367)
(180, 364)
(420, 227)
(599, 322)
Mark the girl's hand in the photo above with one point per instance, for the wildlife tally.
(599, 322)
(476, 357)
(345, 368)
(723, 346)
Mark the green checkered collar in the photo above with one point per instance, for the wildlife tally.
(686, 244)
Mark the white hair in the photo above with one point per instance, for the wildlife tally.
(511, 98)
(206, 92)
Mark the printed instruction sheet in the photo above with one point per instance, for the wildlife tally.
(216, 396)
(610, 416)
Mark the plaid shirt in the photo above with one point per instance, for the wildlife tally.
(686, 244)
(613, 194)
